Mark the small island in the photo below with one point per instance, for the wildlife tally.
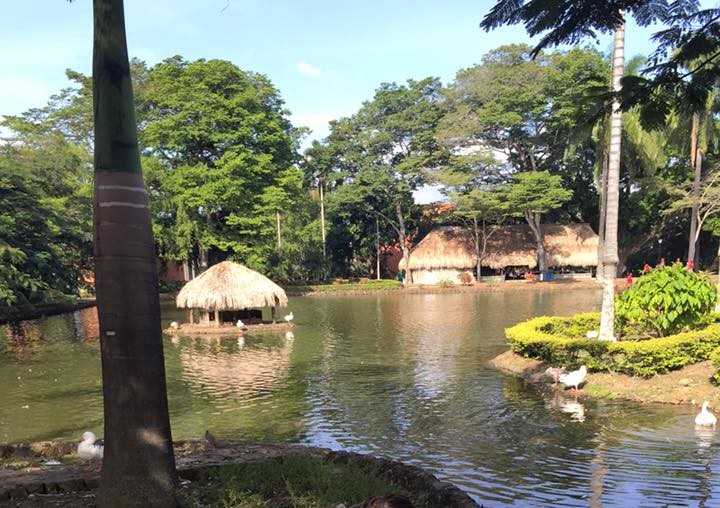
(229, 299)
(667, 350)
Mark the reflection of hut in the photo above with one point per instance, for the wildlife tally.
(229, 291)
(448, 251)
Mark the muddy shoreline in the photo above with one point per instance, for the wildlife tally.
(689, 385)
(45, 309)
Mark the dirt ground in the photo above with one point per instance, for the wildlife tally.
(689, 385)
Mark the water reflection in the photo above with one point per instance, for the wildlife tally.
(403, 376)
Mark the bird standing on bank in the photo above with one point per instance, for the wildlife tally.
(575, 378)
(91, 448)
(289, 317)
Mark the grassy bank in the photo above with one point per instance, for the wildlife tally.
(370, 285)
(297, 482)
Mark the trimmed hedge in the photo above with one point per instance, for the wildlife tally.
(371, 285)
(561, 341)
(715, 359)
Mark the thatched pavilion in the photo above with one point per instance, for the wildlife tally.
(224, 291)
(448, 251)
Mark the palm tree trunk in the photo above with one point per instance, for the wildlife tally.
(603, 212)
(610, 256)
(696, 161)
(138, 467)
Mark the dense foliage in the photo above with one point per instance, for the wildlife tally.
(665, 300)
(560, 341)
(511, 139)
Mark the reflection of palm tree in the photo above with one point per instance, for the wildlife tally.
(599, 469)
(705, 436)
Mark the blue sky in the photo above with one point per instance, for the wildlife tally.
(326, 57)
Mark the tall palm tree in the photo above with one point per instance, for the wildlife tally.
(139, 466)
(612, 209)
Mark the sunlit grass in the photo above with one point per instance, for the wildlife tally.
(293, 482)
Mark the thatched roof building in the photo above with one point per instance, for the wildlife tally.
(230, 286)
(450, 248)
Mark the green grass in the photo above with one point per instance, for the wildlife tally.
(371, 285)
(293, 482)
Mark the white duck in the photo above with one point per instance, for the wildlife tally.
(239, 324)
(289, 317)
(174, 325)
(705, 418)
(575, 378)
(555, 373)
(90, 448)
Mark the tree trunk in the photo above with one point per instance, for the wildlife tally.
(322, 218)
(696, 160)
(139, 466)
(610, 256)
(403, 245)
(603, 212)
(533, 220)
(478, 254)
(277, 229)
(377, 246)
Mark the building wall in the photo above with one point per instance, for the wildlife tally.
(436, 275)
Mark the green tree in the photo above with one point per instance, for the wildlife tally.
(138, 466)
(532, 194)
(225, 152)
(382, 153)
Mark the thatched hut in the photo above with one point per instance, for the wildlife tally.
(224, 291)
(448, 251)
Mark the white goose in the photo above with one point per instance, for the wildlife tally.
(289, 317)
(705, 418)
(575, 378)
(239, 324)
(90, 448)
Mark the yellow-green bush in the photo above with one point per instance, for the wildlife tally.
(715, 359)
(561, 341)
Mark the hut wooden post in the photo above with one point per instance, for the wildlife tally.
(217, 317)
(190, 315)
(272, 313)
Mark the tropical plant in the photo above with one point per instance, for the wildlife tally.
(665, 300)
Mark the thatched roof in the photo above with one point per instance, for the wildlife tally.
(513, 245)
(230, 286)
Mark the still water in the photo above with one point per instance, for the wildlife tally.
(398, 375)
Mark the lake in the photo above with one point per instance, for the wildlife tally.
(403, 376)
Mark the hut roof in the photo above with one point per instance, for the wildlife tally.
(512, 245)
(230, 286)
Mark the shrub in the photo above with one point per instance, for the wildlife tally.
(666, 300)
(466, 278)
(445, 283)
(715, 359)
(370, 285)
(559, 341)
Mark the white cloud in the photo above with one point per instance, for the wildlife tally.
(318, 122)
(308, 70)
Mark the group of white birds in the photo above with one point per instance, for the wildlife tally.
(577, 377)
(572, 379)
(288, 318)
